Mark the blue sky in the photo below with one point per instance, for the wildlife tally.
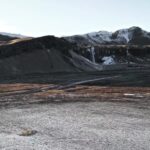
(69, 17)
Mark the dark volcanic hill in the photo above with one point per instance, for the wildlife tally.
(38, 55)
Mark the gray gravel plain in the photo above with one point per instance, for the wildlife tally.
(76, 126)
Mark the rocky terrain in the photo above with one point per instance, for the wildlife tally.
(49, 54)
(51, 116)
(83, 92)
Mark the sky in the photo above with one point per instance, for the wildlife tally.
(70, 17)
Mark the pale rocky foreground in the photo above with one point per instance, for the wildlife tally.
(77, 126)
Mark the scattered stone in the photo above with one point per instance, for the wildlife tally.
(28, 132)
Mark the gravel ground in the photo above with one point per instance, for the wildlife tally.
(76, 126)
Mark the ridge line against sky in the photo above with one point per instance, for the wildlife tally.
(70, 17)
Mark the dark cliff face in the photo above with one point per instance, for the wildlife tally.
(118, 51)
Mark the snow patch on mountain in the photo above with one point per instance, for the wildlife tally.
(108, 60)
(93, 38)
(99, 37)
(124, 33)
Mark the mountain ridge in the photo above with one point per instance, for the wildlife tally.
(133, 35)
(50, 54)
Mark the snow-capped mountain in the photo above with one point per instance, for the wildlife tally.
(133, 35)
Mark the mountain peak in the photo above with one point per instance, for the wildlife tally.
(132, 35)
